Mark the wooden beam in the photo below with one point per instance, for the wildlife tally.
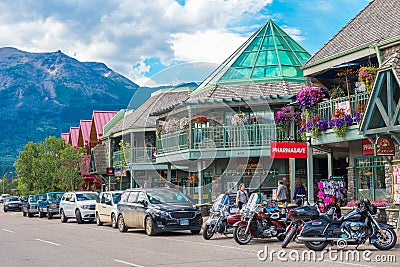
(382, 110)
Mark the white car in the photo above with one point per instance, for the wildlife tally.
(106, 208)
(79, 205)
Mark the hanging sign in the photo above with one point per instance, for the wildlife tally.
(367, 147)
(384, 146)
(288, 150)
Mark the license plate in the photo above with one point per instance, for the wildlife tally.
(184, 222)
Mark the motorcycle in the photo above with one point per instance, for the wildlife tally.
(297, 218)
(352, 229)
(255, 223)
(218, 221)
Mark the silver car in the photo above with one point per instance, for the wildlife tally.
(106, 208)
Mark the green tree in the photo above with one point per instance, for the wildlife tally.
(69, 173)
(24, 165)
(124, 148)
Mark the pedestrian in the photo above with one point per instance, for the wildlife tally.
(299, 193)
(282, 192)
(241, 196)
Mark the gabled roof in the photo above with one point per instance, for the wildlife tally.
(268, 62)
(99, 120)
(74, 134)
(383, 111)
(65, 136)
(84, 133)
(376, 24)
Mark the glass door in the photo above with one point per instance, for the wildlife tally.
(370, 178)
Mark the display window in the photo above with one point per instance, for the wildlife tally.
(370, 178)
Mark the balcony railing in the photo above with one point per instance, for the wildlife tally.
(137, 155)
(327, 108)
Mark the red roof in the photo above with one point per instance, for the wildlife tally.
(65, 136)
(99, 120)
(74, 133)
(84, 133)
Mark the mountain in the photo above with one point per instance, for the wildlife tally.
(44, 94)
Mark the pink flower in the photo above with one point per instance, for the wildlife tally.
(321, 194)
(320, 185)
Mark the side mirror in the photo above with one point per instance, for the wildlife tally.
(143, 202)
(108, 202)
(44, 199)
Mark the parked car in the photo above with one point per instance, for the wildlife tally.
(49, 205)
(79, 205)
(158, 210)
(30, 207)
(3, 197)
(12, 203)
(106, 208)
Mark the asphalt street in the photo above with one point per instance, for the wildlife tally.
(41, 242)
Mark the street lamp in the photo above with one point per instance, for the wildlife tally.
(4, 176)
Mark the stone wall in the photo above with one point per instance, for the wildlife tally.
(100, 153)
(351, 187)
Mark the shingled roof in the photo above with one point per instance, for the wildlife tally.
(376, 24)
(142, 116)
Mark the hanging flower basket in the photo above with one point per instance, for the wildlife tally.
(284, 117)
(367, 76)
(313, 124)
(239, 119)
(309, 97)
(200, 119)
(193, 179)
(340, 122)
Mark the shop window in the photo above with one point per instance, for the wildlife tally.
(370, 178)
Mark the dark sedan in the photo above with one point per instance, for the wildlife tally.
(12, 204)
(158, 210)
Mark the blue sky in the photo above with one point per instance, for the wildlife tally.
(142, 39)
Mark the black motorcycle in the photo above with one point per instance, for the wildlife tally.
(352, 229)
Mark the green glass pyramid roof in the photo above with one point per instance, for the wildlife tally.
(268, 55)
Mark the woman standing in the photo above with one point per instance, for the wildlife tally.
(241, 196)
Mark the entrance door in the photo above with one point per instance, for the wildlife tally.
(370, 178)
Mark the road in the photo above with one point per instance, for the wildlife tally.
(41, 242)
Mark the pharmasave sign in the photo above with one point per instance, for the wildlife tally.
(288, 150)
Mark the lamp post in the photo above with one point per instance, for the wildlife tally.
(4, 176)
(310, 170)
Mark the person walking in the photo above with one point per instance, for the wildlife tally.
(282, 192)
(299, 193)
(241, 196)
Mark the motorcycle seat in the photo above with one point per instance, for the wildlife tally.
(331, 219)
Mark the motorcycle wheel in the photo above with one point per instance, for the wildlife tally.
(316, 245)
(239, 235)
(208, 232)
(387, 240)
(289, 236)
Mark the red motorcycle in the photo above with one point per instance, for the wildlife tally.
(256, 223)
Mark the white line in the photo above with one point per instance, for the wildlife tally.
(48, 242)
(128, 263)
(8, 231)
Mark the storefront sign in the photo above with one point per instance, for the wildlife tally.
(287, 150)
(384, 146)
(336, 177)
(367, 147)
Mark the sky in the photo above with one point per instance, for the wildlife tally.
(142, 39)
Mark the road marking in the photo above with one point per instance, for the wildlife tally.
(8, 231)
(128, 263)
(48, 242)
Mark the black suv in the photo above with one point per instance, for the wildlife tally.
(158, 210)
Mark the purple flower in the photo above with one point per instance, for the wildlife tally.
(308, 97)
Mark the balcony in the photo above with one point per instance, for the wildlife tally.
(137, 155)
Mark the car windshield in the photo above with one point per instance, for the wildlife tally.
(86, 196)
(55, 196)
(33, 198)
(166, 196)
(116, 197)
(9, 199)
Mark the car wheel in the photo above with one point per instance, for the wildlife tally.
(98, 221)
(78, 217)
(64, 218)
(5, 210)
(30, 215)
(149, 226)
(24, 213)
(195, 232)
(121, 224)
(41, 214)
(113, 221)
(49, 215)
